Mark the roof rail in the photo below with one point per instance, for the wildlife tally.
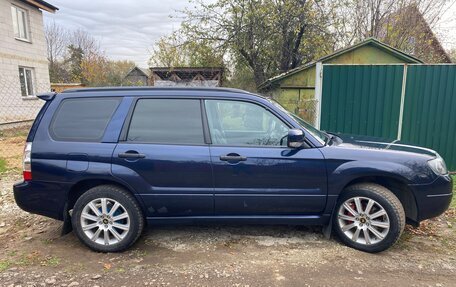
(129, 88)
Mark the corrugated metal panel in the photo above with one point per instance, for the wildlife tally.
(430, 109)
(362, 99)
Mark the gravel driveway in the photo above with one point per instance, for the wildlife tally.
(34, 254)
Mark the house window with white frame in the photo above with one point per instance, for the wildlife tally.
(20, 23)
(26, 80)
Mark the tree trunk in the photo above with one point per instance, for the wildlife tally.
(258, 70)
(258, 75)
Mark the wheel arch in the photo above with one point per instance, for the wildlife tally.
(84, 185)
(398, 187)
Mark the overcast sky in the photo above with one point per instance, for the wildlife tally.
(127, 30)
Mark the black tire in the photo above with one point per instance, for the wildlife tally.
(136, 224)
(390, 204)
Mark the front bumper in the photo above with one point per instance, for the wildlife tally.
(434, 198)
(43, 198)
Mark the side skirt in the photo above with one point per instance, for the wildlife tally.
(223, 219)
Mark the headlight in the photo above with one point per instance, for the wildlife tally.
(438, 165)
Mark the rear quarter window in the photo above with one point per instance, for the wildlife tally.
(83, 119)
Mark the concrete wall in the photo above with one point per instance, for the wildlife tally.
(15, 53)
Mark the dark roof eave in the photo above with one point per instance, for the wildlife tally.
(41, 5)
(138, 69)
(269, 82)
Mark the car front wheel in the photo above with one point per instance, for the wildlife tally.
(368, 217)
(107, 218)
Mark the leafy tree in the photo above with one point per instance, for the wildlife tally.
(131, 83)
(264, 37)
(100, 71)
(175, 51)
(241, 78)
(74, 62)
(94, 67)
(117, 70)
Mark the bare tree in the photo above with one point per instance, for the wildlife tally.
(360, 19)
(75, 55)
(404, 24)
(56, 41)
(453, 55)
(83, 40)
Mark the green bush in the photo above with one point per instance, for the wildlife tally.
(453, 202)
(2, 165)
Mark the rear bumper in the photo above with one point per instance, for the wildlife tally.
(433, 199)
(41, 198)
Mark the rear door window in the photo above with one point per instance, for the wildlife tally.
(170, 121)
(83, 119)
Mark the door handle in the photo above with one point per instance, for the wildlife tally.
(233, 157)
(131, 154)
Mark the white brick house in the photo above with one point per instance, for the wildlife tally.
(24, 68)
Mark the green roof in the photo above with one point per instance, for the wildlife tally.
(369, 41)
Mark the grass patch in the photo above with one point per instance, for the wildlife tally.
(4, 265)
(139, 253)
(453, 202)
(47, 241)
(2, 165)
(51, 261)
(16, 132)
(12, 253)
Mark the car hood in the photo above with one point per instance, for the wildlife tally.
(374, 143)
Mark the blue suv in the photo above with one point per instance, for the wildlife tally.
(108, 161)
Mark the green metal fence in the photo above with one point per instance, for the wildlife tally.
(362, 100)
(413, 103)
(429, 117)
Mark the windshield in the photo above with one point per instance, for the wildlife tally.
(319, 135)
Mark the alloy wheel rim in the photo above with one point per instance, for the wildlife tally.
(105, 221)
(363, 220)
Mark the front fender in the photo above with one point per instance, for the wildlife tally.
(340, 175)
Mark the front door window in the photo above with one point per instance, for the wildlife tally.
(237, 123)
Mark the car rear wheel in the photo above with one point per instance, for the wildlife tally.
(106, 218)
(368, 217)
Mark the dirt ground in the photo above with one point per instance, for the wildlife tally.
(34, 254)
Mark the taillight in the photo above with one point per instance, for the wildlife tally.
(27, 162)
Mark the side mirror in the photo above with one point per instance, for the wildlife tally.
(295, 138)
